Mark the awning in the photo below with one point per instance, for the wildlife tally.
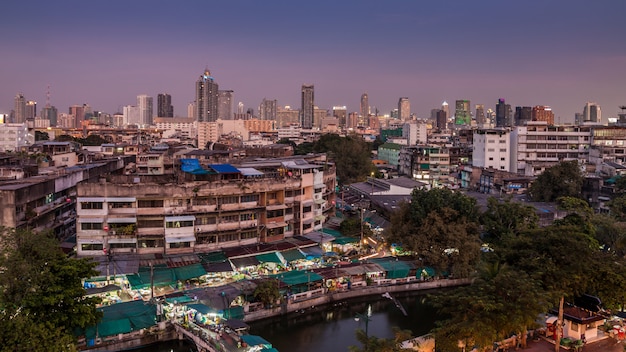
(313, 251)
(297, 277)
(307, 202)
(121, 220)
(93, 220)
(180, 239)
(276, 207)
(189, 272)
(308, 221)
(269, 258)
(249, 171)
(320, 201)
(122, 240)
(318, 237)
(222, 267)
(274, 225)
(201, 308)
(121, 200)
(244, 262)
(180, 218)
(253, 340)
(292, 254)
(90, 199)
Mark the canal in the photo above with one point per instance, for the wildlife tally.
(333, 328)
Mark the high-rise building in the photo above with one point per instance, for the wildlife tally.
(31, 110)
(267, 109)
(592, 113)
(442, 120)
(191, 110)
(341, 114)
(365, 107)
(480, 114)
(206, 98)
(78, 112)
(462, 113)
(523, 114)
(144, 103)
(19, 112)
(308, 104)
(51, 114)
(404, 109)
(503, 114)
(353, 120)
(446, 109)
(164, 105)
(225, 104)
(131, 115)
(543, 113)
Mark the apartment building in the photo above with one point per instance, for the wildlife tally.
(204, 208)
(538, 146)
(430, 164)
(492, 148)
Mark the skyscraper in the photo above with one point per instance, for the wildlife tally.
(20, 109)
(50, 113)
(206, 98)
(31, 110)
(446, 109)
(404, 109)
(225, 104)
(144, 103)
(164, 105)
(306, 113)
(480, 114)
(78, 112)
(503, 114)
(523, 114)
(462, 113)
(365, 107)
(442, 120)
(341, 113)
(267, 109)
(543, 113)
(592, 113)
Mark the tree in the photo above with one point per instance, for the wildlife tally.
(41, 136)
(351, 155)
(267, 292)
(507, 218)
(562, 180)
(375, 344)
(617, 207)
(41, 286)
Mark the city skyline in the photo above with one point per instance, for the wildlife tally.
(561, 54)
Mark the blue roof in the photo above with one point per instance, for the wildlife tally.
(225, 169)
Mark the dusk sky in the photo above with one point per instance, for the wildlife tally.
(560, 53)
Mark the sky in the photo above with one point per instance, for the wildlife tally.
(560, 53)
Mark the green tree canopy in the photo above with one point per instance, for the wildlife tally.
(351, 155)
(562, 180)
(41, 136)
(267, 292)
(507, 218)
(43, 287)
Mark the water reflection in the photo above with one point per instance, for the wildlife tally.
(332, 328)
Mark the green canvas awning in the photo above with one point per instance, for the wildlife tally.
(234, 313)
(204, 309)
(178, 300)
(269, 258)
(254, 340)
(395, 269)
(332, 232)
(114, 327)
(297, 277)
(161, 275)
(189, 272)
(345, 240)
(292, 254)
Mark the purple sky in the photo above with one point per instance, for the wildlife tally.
(560, 53)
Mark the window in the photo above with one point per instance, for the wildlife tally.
(490, 159)
(180, 245)
(306, 226)
(228, 237)
(206, 220)
(250, 198)
(248, 234)
(91, 226)
(145, 223)
(502, 150)
(246, 217)
(117, 205)
(90, 205)
(228, 200)
(150, 203)
(122, 245)
(92, 246)
(176, 224)
(306, 209)
(275, 213)
(229, 218)
(501, 159)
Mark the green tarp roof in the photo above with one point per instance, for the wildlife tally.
(164, 276)
(179, 299)
(254, 340)
(332, 232)
(123, 318)
(292, 254)
(345, 240)
(395, 269)
(204, 309)
(269, 258)
(297, 277)
(189, 272)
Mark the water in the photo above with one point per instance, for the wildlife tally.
(334, 328)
